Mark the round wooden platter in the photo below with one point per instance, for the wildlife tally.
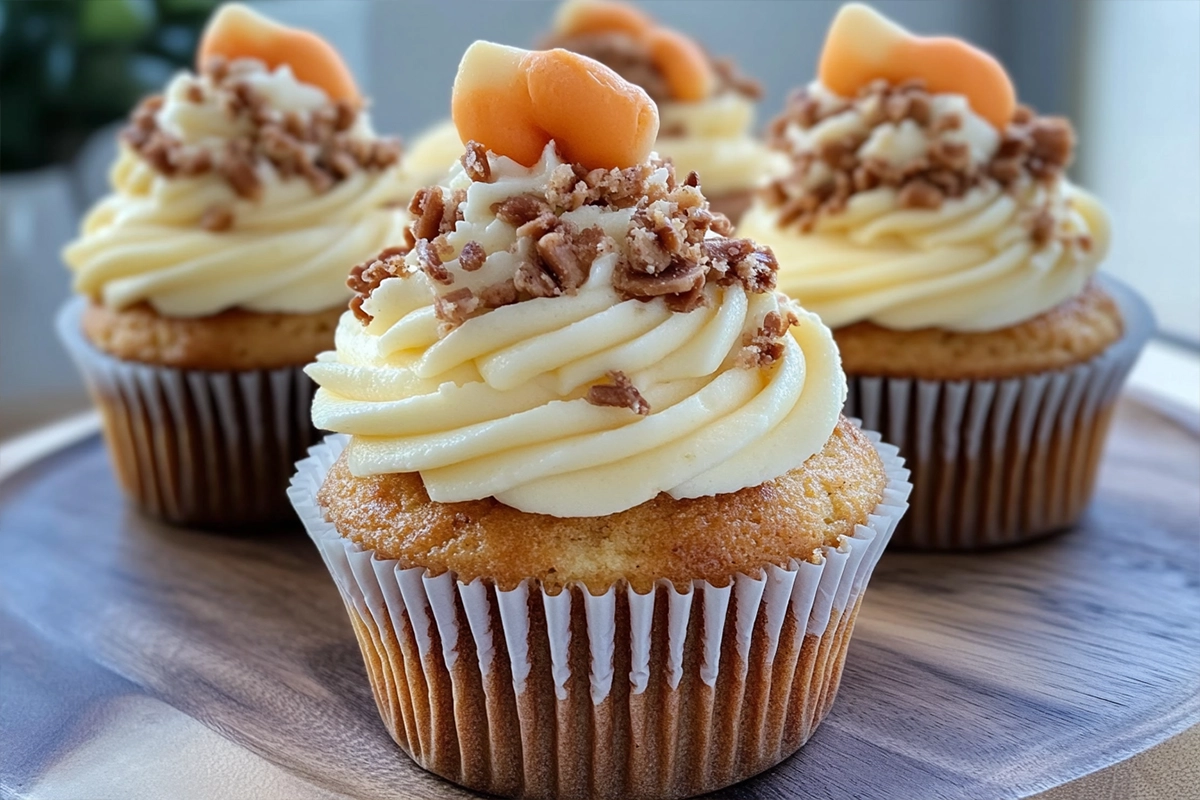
(138, 660)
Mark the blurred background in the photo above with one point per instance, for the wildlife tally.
(1127, 72)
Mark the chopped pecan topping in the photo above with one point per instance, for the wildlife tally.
(540, 226)
(427, 208)
(1041, 227)
(366, 277)
(499, 294)
(764, 347)
(472, 256)
(744, 262)
(619, 393)
(730, 78)
(560, 260)
(823, 180)
(236, 166)
(1053, 146)
(521, 209)
(475, 162)
(534, 281)
(455, 308)
(429, 255)
(216, 219)
(678, 279)
(920, 194)
(686, 302)
(318, 148)
(567, 255)
(571, 186)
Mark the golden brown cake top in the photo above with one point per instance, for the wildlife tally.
(232, 340)
(705, 538)
(1068, 334)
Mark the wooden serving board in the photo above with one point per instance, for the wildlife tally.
(138, 660)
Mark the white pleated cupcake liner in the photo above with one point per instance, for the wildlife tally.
(1001, 462)
(197, 447)
(671, 693)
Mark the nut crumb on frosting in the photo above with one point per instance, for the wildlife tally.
(618, 393)
(824, 178)
(674, 246)
(764, 347)
(366, 277)
(318, 148)
(475, 162)
(216, 219)
(472, 256)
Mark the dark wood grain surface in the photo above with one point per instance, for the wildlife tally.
(144, 661)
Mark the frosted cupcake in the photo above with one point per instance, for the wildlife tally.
(216, 268)
(598, 523)
(706, 106)
(929, 221)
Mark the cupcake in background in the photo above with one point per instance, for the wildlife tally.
(706, 107)
(216, 268)
(596, 518)
(929, 221)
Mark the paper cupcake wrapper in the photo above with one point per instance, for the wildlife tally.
(1000, 462)
(672, 693)
(195, 447)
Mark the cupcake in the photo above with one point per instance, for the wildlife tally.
(706, 106)
(597, 521)
(216, 268)
(929, 221)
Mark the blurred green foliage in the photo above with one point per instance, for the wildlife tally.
(70, 66)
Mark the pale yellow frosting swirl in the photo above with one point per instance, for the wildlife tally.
(288, 251)
(970, 265)
(496, 407)
(714, 137)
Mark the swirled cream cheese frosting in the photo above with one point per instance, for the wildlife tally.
(240, 187)
(573, 342)
(907, 208)
(714, 138)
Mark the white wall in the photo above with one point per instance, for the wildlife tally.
(1140, 147)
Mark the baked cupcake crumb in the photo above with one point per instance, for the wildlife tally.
(232, 340)
(705, 538)
(1068, 334)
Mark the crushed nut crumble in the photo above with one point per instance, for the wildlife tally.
(618, 393)
(822, 181)
(366, 277)
(318, 149)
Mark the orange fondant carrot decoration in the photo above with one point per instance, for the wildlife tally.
(236, 31)
(515, 101)
(682, 62)
(863, 46)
